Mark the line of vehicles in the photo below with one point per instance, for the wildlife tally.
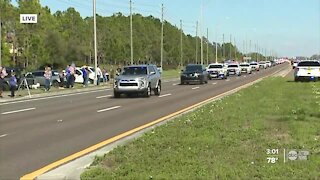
(145, 79)
(37, 77)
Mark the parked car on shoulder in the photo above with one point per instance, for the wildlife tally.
(217, 70)
(307, 70)
(245, 68)
(138, 79)
(194, 73)
(38, 77)
(234, 69)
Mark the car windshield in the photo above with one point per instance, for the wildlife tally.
(253, 64)
(244, 65)
(134, 71)
(261, 62)
(233, 65)
(215, 66)
(309, 63)
(193, 68)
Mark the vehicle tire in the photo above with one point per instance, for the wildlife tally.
(91, 81)
(157, 90)
(181, 82)
(147, 93)
(55, 84)
(201, 81)
(116, 94)
(296, 79)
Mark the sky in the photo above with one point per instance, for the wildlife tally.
(286, 27)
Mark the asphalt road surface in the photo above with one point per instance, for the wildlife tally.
(35, 133)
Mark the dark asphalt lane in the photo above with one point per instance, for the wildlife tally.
(61, 126)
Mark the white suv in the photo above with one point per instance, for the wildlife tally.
(308, 70)
(234, 69)
(245, 68)
(217, 70)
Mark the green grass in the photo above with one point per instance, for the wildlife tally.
(170, 74)
(227, 139)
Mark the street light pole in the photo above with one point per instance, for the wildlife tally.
(216, 44)
(95, 41)
(161, 63)
(0, 41)
(224, 55)
(207, 46)
(197, 42)
(181, 52)
(131, 38)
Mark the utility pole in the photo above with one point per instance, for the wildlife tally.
(230, 47)
(224, 55)
(250, 47)
(197, 42)
(181, 50)
(201, 45)
(235, 50)
(161, 63)
(207, 46)
(131, 38)
(216, 44)
(0, 41)
(95, 41)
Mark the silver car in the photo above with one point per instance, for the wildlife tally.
(38, 77)
(138, 79)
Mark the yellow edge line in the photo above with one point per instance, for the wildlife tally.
(53, 165)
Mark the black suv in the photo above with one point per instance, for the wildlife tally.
(194, 73)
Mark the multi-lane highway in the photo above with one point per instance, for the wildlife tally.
(37, 132)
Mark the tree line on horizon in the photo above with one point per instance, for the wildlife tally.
(64, 37)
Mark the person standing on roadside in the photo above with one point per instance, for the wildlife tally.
(47, 77)
(13, 83)
(2, 75)
(61, 77)
(85, 75)
(99, 74)
(68, 76)
(72, 77)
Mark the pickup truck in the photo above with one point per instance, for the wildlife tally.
(307, 70)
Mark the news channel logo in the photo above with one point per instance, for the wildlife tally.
(296, 155)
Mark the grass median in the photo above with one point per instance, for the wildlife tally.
(227, 139)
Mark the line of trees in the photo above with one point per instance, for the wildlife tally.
(64, 36)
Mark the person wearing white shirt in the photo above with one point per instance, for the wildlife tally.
(99, 74)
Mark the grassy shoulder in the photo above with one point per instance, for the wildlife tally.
(170, 74)
(227, 139)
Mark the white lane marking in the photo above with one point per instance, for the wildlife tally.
(99, 97)
(174, 84)
(214, 83)
(16, 111)
(195, 88)
(108, 109)
(60, 120)
(3, 135)
(227, 79)
(165, 95)
(57, 96)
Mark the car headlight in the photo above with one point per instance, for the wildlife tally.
(143, 81)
